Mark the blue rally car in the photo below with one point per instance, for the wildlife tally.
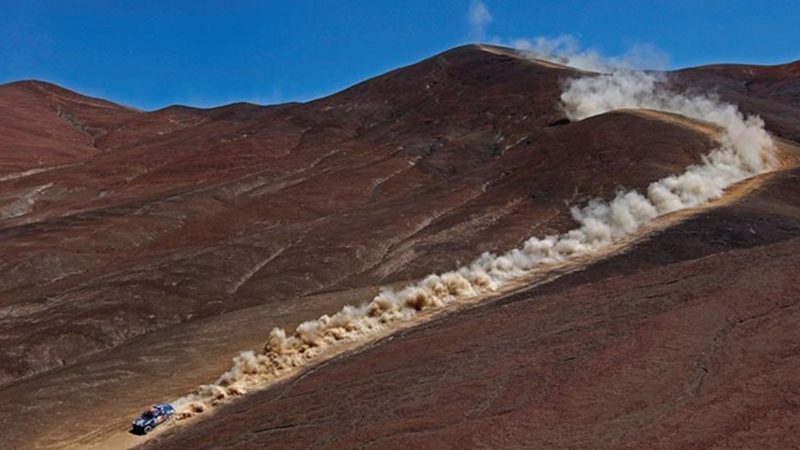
(152, 417)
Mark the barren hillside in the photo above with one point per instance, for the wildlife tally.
(142, 250)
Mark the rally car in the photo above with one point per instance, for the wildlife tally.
(152, 417)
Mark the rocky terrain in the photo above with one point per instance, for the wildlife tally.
(142, 250)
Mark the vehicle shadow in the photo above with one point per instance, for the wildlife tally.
(136, 432)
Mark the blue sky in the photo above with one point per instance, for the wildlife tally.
(150, 54)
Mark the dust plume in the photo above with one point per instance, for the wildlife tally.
(479, 17)
(566, 50)
(745, 150)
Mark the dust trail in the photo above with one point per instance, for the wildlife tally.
(745, 150)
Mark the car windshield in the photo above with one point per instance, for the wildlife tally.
(148, 414)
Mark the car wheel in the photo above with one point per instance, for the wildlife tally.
(148, 429)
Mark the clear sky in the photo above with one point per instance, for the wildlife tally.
(153, 53)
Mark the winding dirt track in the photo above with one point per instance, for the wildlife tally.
(787, 153)
(110, 434)
(308, 411)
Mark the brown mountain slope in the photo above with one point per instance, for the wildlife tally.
(690, 340)
(43, 125)
(187, 234)
(266, 205)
